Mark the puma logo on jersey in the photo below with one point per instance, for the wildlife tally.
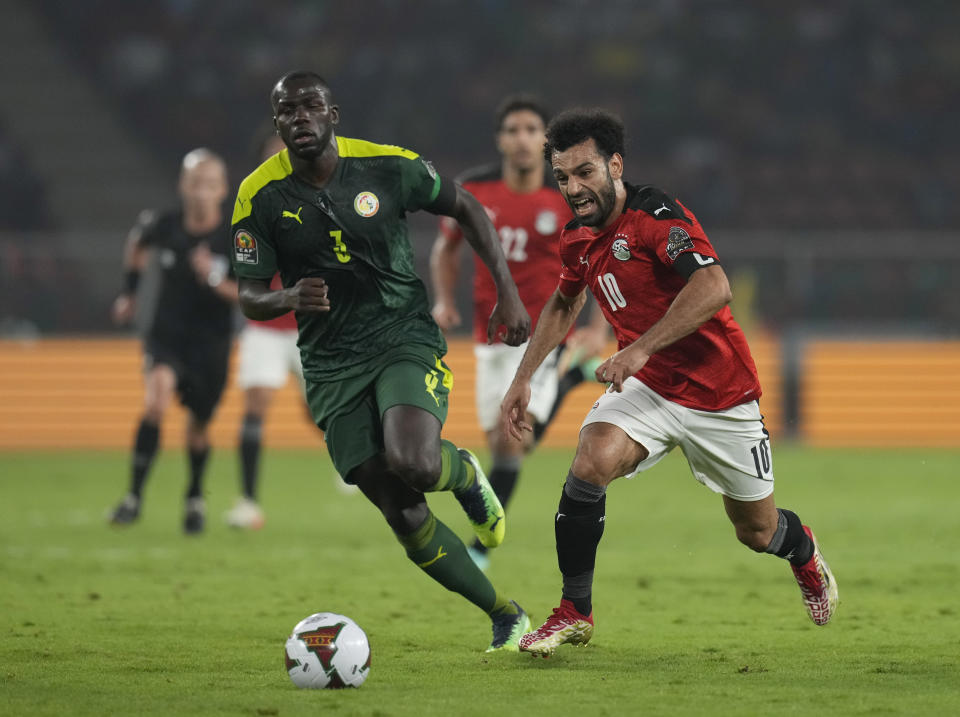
(664, 208)
(292, 215)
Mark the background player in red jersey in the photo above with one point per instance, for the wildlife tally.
(528, 213)
(683, 375)
(268, 354)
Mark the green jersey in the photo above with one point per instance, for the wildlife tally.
(352, 233)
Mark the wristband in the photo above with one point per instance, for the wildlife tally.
(131, 279)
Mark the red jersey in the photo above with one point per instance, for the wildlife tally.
(284, 322)
(529, 226)
(635, 269)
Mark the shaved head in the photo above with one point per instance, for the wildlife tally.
(297, 76)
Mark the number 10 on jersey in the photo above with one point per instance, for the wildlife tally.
(611, 291)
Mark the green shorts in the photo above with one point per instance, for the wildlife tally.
(350, 411)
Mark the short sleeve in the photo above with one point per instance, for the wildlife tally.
(144, 232)
(252, 252)
(571, 283)
(572, 280)
(421, 184)
(681, 245)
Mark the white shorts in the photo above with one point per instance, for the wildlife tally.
(496, 367)
(728, 451)
(267, 357)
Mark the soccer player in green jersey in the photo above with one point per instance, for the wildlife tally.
(328, 213)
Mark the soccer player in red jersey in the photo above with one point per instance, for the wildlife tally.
(683, 374)
(528, 213)
(267, 355)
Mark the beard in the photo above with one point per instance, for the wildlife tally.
(605, 198)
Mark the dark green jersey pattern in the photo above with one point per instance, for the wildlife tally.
(353, 234)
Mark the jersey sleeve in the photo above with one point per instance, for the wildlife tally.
(424, 188)
(572, 281)
(683, 246)
(144, 232)
(253, 253)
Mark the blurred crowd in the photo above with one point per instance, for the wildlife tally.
(23, 204)
(767, 119)
(812, 115)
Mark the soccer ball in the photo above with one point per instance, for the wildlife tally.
(327, 650)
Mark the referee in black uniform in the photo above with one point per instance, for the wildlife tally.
(187, 345)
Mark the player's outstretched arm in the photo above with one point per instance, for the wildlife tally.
(705, 293)
(260, 303)
(444, 271)
(558, 315)
(482, 236)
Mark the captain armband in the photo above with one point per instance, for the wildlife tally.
(689, 261)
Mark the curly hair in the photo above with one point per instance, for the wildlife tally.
(574, 126)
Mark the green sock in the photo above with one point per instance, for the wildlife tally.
(455, 473)
(443, 556)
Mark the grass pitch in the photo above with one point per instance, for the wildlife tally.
(96, 620)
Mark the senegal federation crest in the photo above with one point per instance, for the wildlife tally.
(366, 204)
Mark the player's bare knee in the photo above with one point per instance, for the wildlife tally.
(419, 470)
(599, 463)
(754, 536)
(592, 468)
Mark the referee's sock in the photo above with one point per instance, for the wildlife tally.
(144, 451)
(198, 464)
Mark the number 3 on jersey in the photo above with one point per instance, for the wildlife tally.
(611, 291)
(339, 248)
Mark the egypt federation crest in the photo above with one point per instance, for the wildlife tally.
(546, 222)
(366, 204)
(620, 249)
(245, 248)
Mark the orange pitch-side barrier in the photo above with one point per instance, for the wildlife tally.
(87, 393)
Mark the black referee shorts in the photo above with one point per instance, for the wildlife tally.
(200, 368)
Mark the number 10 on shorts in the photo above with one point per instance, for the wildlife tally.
(761, 458)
